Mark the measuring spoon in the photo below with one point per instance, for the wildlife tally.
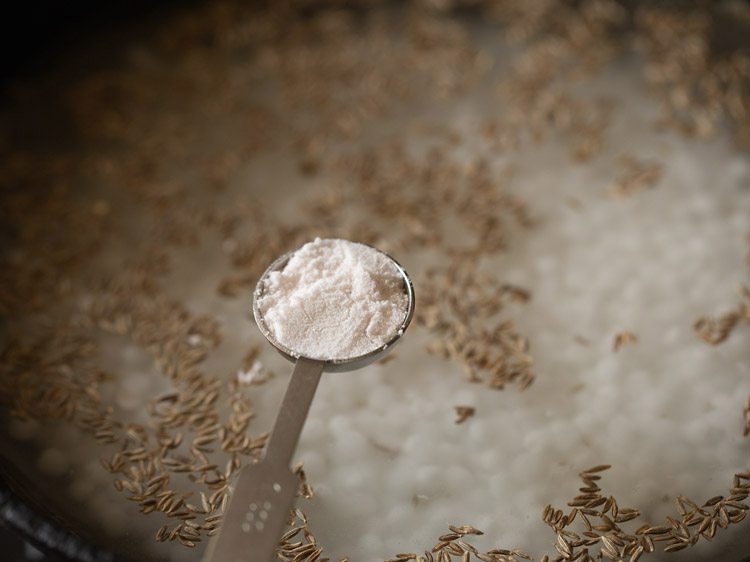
(264, 493)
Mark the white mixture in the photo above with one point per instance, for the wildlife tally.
(334, 299)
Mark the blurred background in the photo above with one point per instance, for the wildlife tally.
(553, 173)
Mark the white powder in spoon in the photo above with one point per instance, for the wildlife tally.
(334, 299)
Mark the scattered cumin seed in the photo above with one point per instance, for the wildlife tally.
(463, 413)
(716, 330)
(624, 338)
(635, 176)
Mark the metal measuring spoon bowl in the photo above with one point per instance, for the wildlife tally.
(265, 492)
(341, 364)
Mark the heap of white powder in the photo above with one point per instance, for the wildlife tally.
(334, 299)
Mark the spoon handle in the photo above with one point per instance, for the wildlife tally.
(264, 493)
(293, 411)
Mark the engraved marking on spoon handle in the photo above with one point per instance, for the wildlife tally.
(257, 515)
